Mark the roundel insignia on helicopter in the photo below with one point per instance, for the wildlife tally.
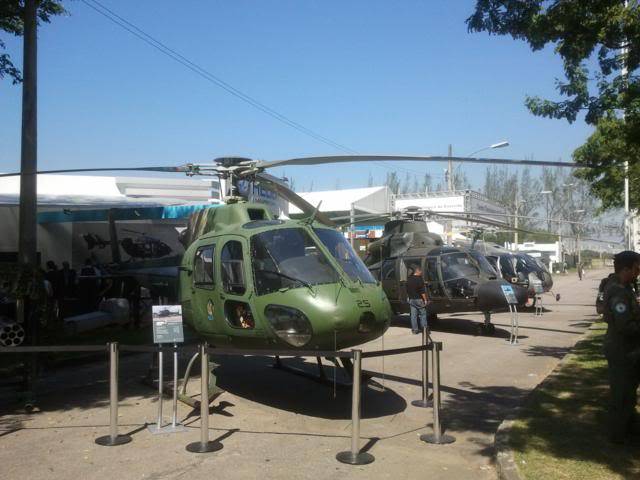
(210, 310)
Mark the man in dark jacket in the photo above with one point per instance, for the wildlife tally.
(417, 297)
(622, 344)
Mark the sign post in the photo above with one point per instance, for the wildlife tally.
(512, 301)
(538, 290)
(167, 328)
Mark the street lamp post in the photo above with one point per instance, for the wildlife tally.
(451, 180)
(547, 193)
(578, 237)
(515, 222)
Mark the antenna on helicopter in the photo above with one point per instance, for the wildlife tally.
(309, 220)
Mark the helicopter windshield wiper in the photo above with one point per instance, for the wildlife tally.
(288, 277)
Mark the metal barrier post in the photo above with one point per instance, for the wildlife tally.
(174, 418)
(424, 401)
(355, 456)
(204, 445)
(113, 439)
(437, 436)
(513, 335)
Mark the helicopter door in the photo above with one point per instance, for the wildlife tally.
(234, 305)
(201, 305)
(435, 288)
(389, 280)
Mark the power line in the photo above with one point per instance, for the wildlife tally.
(158, 45)
(194, 67)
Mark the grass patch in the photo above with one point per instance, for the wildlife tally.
(561, 432)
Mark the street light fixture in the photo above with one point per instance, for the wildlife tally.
(547, 193)
(449, 171)
(578, 236)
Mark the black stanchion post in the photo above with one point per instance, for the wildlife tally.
(424, 401)
(204, 445)
(113, 438)
(355, 456)
(437, 436)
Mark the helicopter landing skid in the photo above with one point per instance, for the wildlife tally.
(321, 377)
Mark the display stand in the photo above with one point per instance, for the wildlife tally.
(512, 301)
(167, 328)
(539, 290)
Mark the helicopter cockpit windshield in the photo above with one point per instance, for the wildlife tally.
(344, 254)
(461, 272)
(288, 258)
(485, 265)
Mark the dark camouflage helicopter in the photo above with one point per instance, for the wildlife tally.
(518, 268)
(457, 279)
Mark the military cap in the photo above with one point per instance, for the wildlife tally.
(626, 258)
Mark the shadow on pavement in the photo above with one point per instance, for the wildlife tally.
(254, 379)
(450, 324)
(544, 351)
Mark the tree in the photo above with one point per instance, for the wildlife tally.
(427, 183)
(392, 182)
(11, 21)
(580, 31)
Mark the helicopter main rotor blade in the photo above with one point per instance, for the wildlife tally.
(179, 169)
(482, 221)
(406, 158)
(295, 199)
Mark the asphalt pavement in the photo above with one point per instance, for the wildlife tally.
(274, 424)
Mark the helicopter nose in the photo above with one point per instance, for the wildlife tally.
(491, 295)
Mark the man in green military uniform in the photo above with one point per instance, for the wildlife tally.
(622, 344)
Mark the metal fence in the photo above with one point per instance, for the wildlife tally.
(353, 456)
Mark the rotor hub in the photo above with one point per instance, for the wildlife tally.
(233, 161)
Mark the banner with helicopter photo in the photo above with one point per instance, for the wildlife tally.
(136, 240)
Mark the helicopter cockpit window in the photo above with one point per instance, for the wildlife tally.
(231, 261)
(388, 271)
(344, 254)
(484, 264)
(203, 267)
(239, 315)
(288, 258)
(507, 265)
(460, 274)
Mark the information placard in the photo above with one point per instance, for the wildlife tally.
(537, 287)
(509, 294)
(167, 324)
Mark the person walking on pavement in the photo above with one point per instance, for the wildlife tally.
(418, 301)
(580, 271)
(622, 345)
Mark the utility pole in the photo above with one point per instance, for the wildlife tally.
(451, 187)
(627, 220)
(27, 234)
(515, 224)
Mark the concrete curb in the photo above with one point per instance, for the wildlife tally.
(505, 459)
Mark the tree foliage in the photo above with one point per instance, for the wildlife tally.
(11, 21)
(602, 32)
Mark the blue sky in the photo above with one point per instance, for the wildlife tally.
(377, 76)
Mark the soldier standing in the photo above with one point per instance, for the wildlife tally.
(622, 344)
